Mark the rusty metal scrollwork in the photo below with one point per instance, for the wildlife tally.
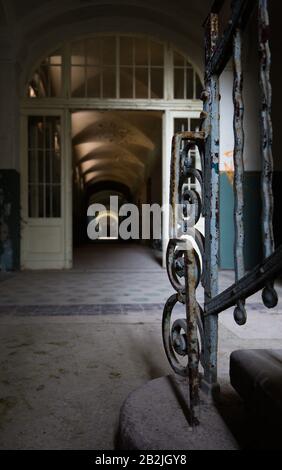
(184, 337)
(191, 259)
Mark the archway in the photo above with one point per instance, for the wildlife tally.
(120, 97)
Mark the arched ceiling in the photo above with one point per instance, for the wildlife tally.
(18, 11)
(34, 27)
(119, 146)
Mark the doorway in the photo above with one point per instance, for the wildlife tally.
(116, 97)
(111, 152)
(114, 153)
(45, 190)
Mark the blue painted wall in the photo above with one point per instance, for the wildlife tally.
(252, 223)
(9, 220)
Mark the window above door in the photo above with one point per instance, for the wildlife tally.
(116, 66)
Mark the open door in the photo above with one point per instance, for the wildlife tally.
(45, 194)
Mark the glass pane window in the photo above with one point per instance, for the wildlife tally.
(141, 51)
(179, 84)
(195, 124)
(93, 67)
(46, 81)
(190, 85)
(157, 83)
(109, 82)
(78, 81)
(44, 166)
(93, 75)
(199, 87)
(141, 82)
(182, 124)
(126, 82)
(126, 51)
(178, 59)
(109, 50)
(117, 66)
(186, 124)
(187, 84)
(93, 51)
(156, 53)
(141, 71)
(78, 53)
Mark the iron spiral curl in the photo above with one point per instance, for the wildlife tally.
(184, 337)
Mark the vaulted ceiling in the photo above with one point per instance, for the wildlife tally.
(35, 24)
(120, 146)
(13, 11)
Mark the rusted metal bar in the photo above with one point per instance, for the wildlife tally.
(251, 283)
(269, 295)
(181, 337)
(192, 336)
(174, 182)
(222, 53)
(173, 341)
(238, 186)
(238, 157)
(175, 168)
(266, 128)
(211, 202)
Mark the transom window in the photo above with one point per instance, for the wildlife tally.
(47, 78)
(116, 67)
(186, 81)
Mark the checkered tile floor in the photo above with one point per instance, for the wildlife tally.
(115, 276)
(105, 280)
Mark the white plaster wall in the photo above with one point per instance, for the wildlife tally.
(251, 97)
(226, 121)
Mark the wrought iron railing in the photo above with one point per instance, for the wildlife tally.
(196, 336)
